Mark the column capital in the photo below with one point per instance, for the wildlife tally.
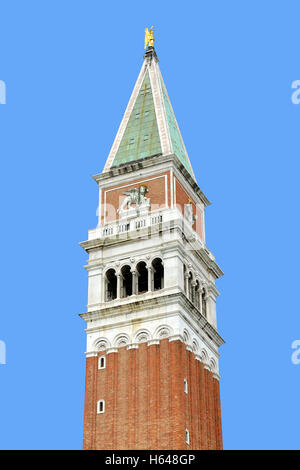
(133, 346)
(153, 341)
(178, 337)
(111, 350)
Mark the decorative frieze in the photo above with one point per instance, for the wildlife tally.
(121, 340)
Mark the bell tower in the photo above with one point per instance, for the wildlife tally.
(152, 376)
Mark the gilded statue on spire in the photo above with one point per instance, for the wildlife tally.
(149, 37)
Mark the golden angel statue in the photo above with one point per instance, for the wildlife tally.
(149, 37)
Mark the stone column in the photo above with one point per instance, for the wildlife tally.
(150, 278)
(206, 299)
(193, 299)
(134, 277)
(119, 276)
(200, 298)
(186, 283)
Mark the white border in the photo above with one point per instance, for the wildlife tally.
(132, 184)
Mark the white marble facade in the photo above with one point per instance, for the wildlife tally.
(180, 306)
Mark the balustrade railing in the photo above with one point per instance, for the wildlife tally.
(135, 224)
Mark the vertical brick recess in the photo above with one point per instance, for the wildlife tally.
(90, 403)
(121, 400)
(132, 398)
(142, 398)
(177, 399)
(207, 408)
(153, 384)
(111, 366)
(192, 399)
(164, 396)
(145, 403)
(197, 400)
(203, 415)
(219, 439)
(211, 411)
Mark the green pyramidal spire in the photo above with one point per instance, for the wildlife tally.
(141, 137)
(149, 126)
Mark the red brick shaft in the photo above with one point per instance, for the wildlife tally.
(145, 403)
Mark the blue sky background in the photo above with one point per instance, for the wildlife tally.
(69, 68)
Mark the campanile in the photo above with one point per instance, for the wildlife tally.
(152, 374)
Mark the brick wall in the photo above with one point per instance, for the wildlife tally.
(159, 194)
(182, 198)
(146, 406)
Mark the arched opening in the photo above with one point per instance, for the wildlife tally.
(197, 295)
(158, 274)
(102, 362)
(187, 436)
(185, 276)
(190, 286)
(100, 406)
(203, 301)
(126, 289)
(111, 285)
(142, 277)
(186, 337)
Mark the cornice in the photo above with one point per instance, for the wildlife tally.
(154, 160)
(211, 332)
(142, 304)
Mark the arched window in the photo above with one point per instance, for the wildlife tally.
(203, 300)
(100, 407)
(126, 289)
(142, 275)
(188, 279)
(190, 286)
(102, 362)
(185, 276)
(111, 285)
(158, 274)
(197, 295)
